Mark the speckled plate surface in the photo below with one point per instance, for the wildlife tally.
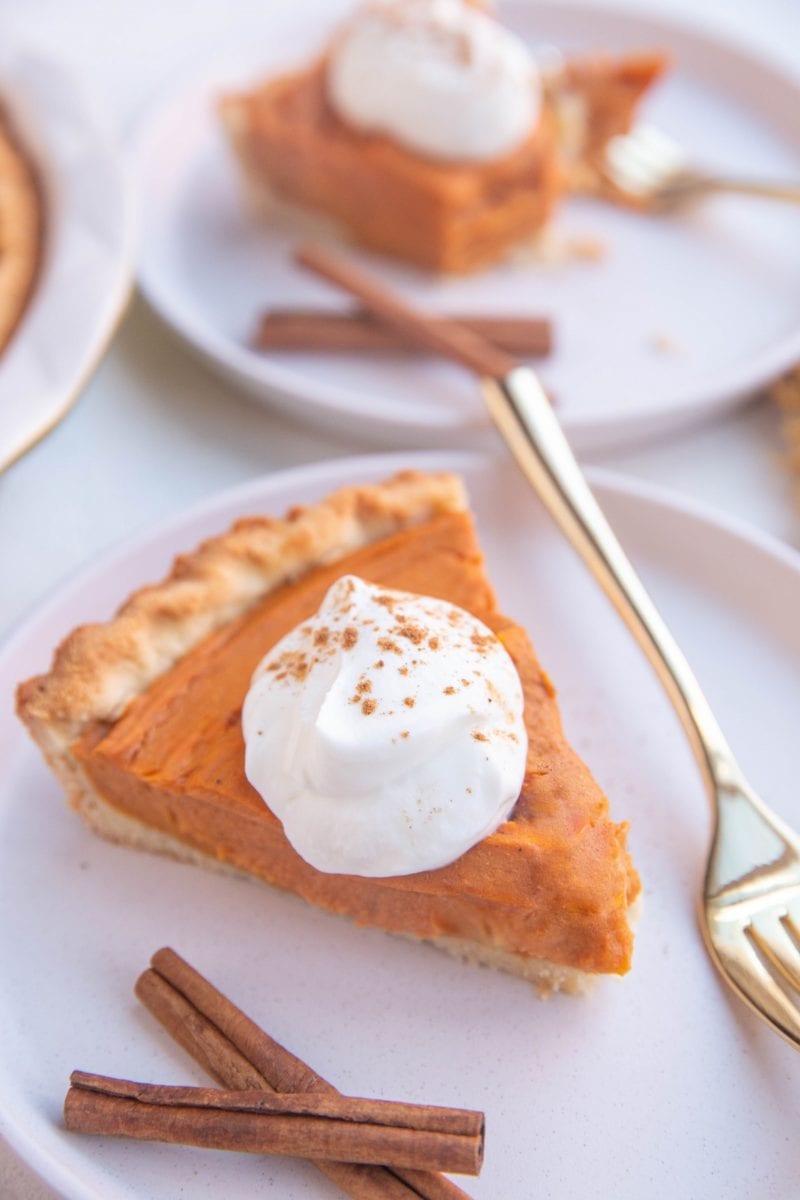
(660, 1084)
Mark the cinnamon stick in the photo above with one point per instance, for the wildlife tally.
(322, 1126)
(461, 1122)
(440, 335)
(235, 1052)
(358, 331)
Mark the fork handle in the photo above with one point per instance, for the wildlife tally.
(746, 187)
(523, 414)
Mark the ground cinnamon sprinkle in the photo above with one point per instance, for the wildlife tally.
(409, 629)
(293, 663)
(322, 636)
(390, 647)
(363, 687)
(404, 734)
(434, 643)
(480, 737)
(450, 691)
(349, 637)
(409, 701)
(368, 707)
(403, 670)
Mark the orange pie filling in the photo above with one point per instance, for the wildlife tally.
(448, 216)
(554, 882)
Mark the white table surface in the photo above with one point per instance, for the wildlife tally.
(156, 431)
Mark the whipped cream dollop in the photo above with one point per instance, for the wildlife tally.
(439, 76)
(386, 732)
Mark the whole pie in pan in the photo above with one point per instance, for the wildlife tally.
(21, 225)
(140, 718)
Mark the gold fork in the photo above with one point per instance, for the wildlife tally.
(750, 910)
(652, 169)
(750, 913)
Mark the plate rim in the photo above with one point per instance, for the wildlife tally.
(274, 385)
(43, 1157)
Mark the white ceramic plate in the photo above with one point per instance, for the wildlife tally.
(720, 285)
(88, 253)
(658, 1085)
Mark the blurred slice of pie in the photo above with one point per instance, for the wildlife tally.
(429, 132)
(20, 229)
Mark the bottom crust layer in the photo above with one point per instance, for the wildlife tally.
(118, 827)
